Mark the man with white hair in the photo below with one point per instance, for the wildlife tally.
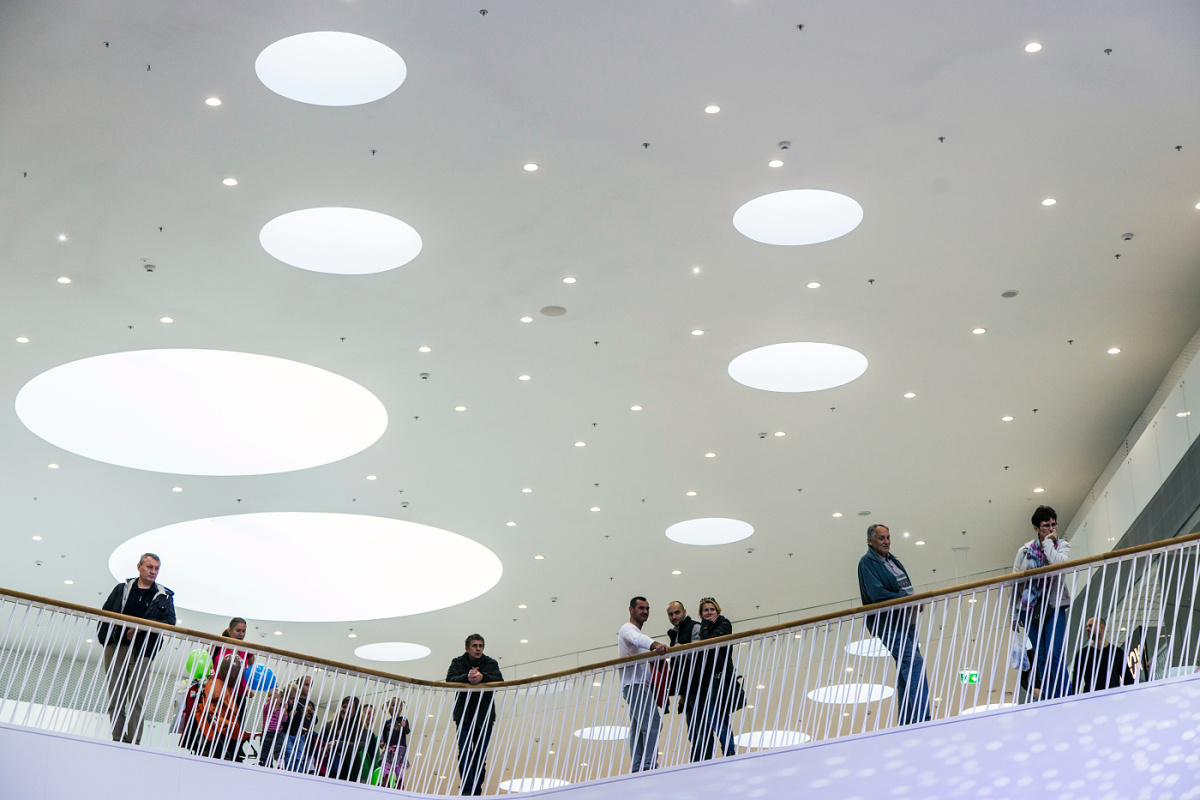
(128, 651)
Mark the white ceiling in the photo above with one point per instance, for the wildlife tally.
(94, 145)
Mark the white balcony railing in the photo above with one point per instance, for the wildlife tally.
(813, 679)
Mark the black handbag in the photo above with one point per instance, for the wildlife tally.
(737, 694)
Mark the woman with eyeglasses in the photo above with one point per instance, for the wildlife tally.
(717, 686)
(1040, 604)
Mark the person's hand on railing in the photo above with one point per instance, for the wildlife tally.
(474, 676)
(659, 647)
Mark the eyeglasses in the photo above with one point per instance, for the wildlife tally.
(1048, 525)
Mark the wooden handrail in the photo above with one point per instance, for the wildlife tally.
(1113, 555)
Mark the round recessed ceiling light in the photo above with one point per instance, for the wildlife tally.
(581, 444)
(372, 478)
(979, 331)
(392, 651)
(279, 633)
(527, 490)
(212, 101)
(712, 109)
(36, 538)
(763, 740)
(1049, 201)
(539, 558)
(780, 433)
(68, 582)
(176, 489)
(909, 395)
(352, 635)
(1112, 351)
(522, 605)
(523, 377)
(595, 508)
(52, 466)
(709, 531)
(424, 349)
(797, 367)
(1184, 414)
(64, 280)
(1038, 490)
(230, 181)
(868, 648)
(330, 68)
(695, 270)
(201, 412)
(774, 162)
(1006, 418)
(798, 216)
(635, 408)
(568, 279)
(22, 340)
(676, 572)
(697, 332)
(919, 542)
(814, 285)
(837, 513)
(511, 524)
(604, 733)
(1033, 47)
(62, 237)
(1198, 206)
(530, 167)
(340, 241)
(527, 318)
(691, 494)
(166, 320)
(524, 641)
(851, 693)
(460, 408)
(303, 546)
(710, 455)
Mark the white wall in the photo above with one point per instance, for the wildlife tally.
(1143, 470)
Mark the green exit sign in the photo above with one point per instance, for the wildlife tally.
(968, 676)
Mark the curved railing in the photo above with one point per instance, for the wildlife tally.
(818, 678)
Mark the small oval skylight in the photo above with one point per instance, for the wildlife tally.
(851, 693)
(341, 241)
(392, 651)
(330, 68)
(797, 367)
(798, 216)
(605, 733)
(709, 531)
(761, 740)
(868, 648)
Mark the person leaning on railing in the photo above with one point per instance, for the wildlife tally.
(128, 652)
(638, 689)
(1040, 604)
(474, 713)
(215, 729)
(882, 577)
(236, 629)
(393, 746)
(718, 681)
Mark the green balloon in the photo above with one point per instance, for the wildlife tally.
(198, 664)
(376, 776)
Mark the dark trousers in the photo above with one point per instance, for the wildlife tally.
(473, 742)
(272, 743)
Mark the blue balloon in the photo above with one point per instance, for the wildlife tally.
(260, 678)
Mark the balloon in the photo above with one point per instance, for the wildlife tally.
(260, 678)
(198, 664)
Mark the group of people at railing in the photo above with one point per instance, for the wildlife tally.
(211, 720)
(1040, 607)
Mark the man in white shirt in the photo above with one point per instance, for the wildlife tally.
(636, 688)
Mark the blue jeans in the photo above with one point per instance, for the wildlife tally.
(644, 723)
(912, 689)
(1048, 633)
(702, 723)
(294, 757)
(474, 738)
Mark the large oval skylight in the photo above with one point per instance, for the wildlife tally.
(851, 693)
(341, 241)
(764, 739)
(797, 367)
(392, 651)
(798, 216)
(370, 567)
(330, 68)
(201, 412)
(708, 531)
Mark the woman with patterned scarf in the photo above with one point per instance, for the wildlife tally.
(1041, 603)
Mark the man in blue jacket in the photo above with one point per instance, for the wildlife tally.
(881, 577)
(129, 651)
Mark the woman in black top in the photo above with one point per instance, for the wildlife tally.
(717, 682)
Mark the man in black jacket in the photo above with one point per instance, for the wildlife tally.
(128, 651)
(1100, 665)
(474, 713)
(686, 672)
